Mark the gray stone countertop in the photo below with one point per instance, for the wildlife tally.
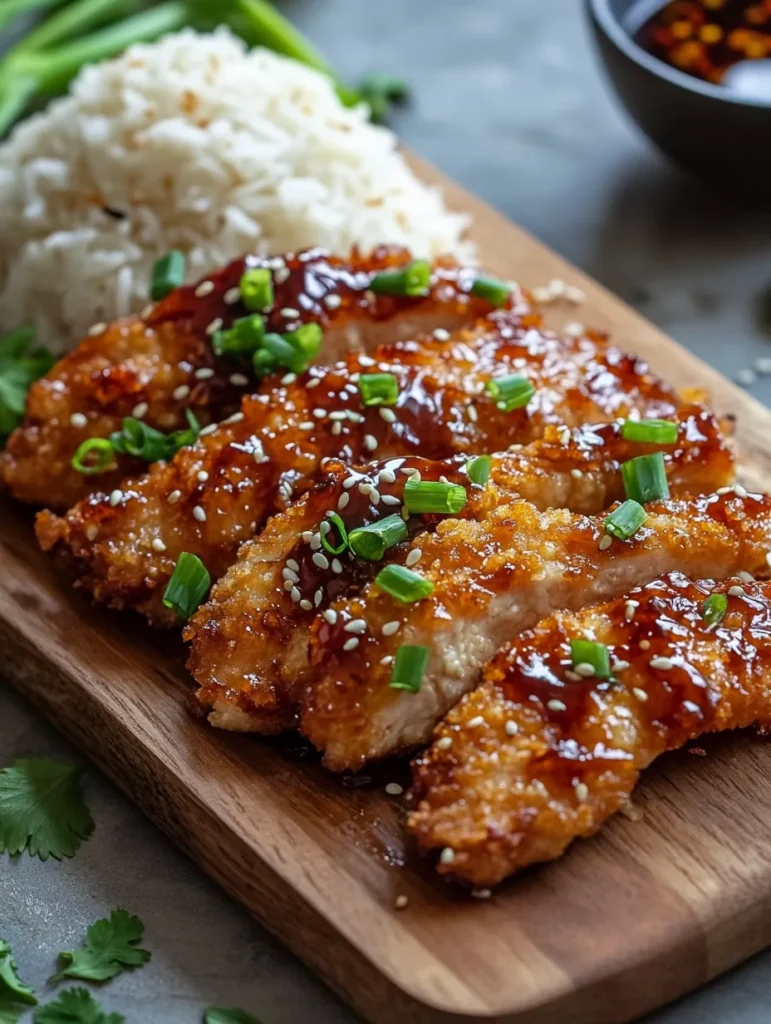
(509, 100)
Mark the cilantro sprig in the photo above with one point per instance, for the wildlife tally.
(21, 364)
(14, 994)
(42, 809)
(111, 946)
(75, 1006)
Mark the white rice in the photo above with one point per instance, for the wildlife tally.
(202, 146)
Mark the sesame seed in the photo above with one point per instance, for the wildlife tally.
(556, 705)
(214, 325)
(282, 274)
(477, 720)
(158, 544)
(401, 902)
(441, 334)
(394, 789)
(575, 295)
(414, 556)
(294, 593)
(746, 376)
(205, 373)
(630, 608)
(78, 419)
(231, 296)
(306, 425)
(99, 328)
(411, 471)
(290, 574)
(736, 591)
(203, 476)
(337, 429)
(315, 542)
(352, 644)
(238, 380)
(481, 894)
(291, 563)
(320, 414)
(343, 500)
(645, 645)
(139, 410)
(447, 856)
(289, 585)
(541, 295)
(574, 677)
(92, 531)
(116, 497)
(620, 666)
(289, 314)
(663, 663)
(444, 743)
(205, 288)
(739, 491)
(174, 497)
(387, 660)
(471, 412)
(641, 695)
(374, 495)
(235, 418)
(356, 626)
(332, 301)
(320, 560)
(330, 615)
(605, 543)
(389, 628)
(337, 566)
(385, 476)
(289, 378)
(577, 474)
(511, 728)
(306, 605)
(582, 792)
(181, 392)
(318, 597)
(746, 577)
(575, 329)
(366, 360)
(391, 499)
(370, 442)
(199, 514)
(557, 288)
(388, 415)
(208, 430)
(349, 482)
(564, 436)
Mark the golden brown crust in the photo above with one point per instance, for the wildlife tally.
(537, 755)
(159, 365)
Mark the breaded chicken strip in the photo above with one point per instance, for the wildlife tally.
(539, 754)
(123, 544)
(157, 366)
(492, 579)
(250, 653)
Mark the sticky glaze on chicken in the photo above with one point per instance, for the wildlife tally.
(539, 755)
(157, 366)
(211, 497)
(250, 653)
(494, 578)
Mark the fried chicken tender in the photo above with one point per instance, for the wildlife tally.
(539, 754)
(250, 650)
(157, 366)
(209, 498)
(492, 579)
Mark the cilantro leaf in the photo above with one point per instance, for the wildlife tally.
(42, 809)
(21, 365)
(216, 1015)
(110, 947)
(10, 1012)
(76, 1006)
(11, 985)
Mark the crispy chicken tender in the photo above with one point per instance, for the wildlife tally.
(157, 366)
(250, 650)
(492, 579)
(539, 755)
(212, 496)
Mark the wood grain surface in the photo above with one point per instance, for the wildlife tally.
(654, 906)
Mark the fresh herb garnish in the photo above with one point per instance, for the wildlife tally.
(96, 454)
(594, 656)
(371, 542)
(21, 364)
(713, 609)
(626, 520)
(381, 92)
(188, 586)
(42, 809)
(650, 431)
(510, 392)
(412, 280)
(478, 469)
(645, 478)
(111, 946)
(330, 526)
(256, 287)
(168, 273)
(378, 388)
(403, 584)
(76, 1006)
(433, 496)
(216, 1015)
(409, 668)
(14, 994)
(491, 290)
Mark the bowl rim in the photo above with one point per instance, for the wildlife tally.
(613, 29)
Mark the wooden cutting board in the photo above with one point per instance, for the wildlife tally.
(627, 921)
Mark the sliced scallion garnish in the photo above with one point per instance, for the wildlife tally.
(413, 280)
(626, 520)
(168, 273)
(645, 478)
(188, 586)
(650, 431)
(307, 340)
(139, 440)
(93, 456)
(242, 339)
(333, 522)
(403, 584)
(510, 392)
(491, 290)
(478, 469)
(371, 542)
(409, 668)
(256, 287)
(587, 652)
(429, 496)
(275, 351)
(713, 609)
(379, 388)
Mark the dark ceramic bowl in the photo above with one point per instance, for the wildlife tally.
(704, 127)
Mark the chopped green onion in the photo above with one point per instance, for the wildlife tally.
(168, 273)
(307, 340)
(626, 520)
(141, 441)
(188, 586)
(510, 392)
(94, 456)
(414, 280)
(256, 287)
(403, 584)
(379, 388)
(587, 652)
(277, 351)
(478, 469)
(421, 496)
(714, 608)
(491, 290)
(645, 478)
(333, 520)
(183, 438)
(409, 668)
(242, 339)
(650, 431)
(380, 91)
(372, 542)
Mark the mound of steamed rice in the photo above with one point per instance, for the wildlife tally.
(193, 143)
